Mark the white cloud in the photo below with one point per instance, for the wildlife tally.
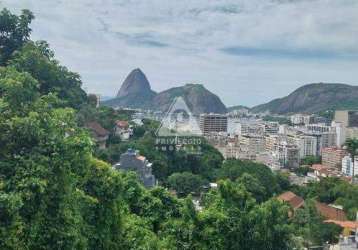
(280, 44)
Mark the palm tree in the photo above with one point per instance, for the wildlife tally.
(352, 148)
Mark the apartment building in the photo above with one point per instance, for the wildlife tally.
(349, 118)
(251, 128)
(252, 145)
(332, 157)
(306, 144)
(321, 128)
(289, 155)
(348, 124)
(300, 119)
(349, 167)
(271, 127)
(213, 123)
(329, 139)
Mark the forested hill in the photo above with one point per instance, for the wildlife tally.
(313, 98)
(55, 193)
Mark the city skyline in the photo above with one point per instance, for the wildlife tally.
(246, 52)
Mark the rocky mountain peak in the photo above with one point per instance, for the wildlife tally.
(135, 83)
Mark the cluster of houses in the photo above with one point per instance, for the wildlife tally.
(331, 214)
(122, 129)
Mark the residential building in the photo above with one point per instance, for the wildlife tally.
(271, 127)
(123, 130)
(300, 119)
(269, 159)
(328, 139)
(340, 132)
(132, 161)
(271, 142)
(213, 123)
(332, 157)
(289, 155)
(230, 151)
(249, 128)
(306, 144)
(349, 121)
(293, 200)
(251, 145)
(349, 167)
(330, 212)
(349, 118)
(321, 171)
(321, 128)
(99, 134)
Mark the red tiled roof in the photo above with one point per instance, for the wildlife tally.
(294, 200)
(97, 129)
(318, 167)
(122, 124)
(344, 224)
(141, 158)
(331, 213)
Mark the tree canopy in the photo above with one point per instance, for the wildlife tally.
(59, 191)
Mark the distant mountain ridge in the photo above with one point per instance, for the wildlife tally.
(313, 98)
(136, 92)
(237, 107)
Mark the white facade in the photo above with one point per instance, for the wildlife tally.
(299, 119)
(348, 166)
(307, 145)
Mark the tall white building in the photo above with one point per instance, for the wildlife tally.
(307, 145)
(348, 166)
(340, 133)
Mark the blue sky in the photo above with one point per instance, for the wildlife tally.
(246, 51)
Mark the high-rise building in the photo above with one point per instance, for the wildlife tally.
(332, 157)
(289, 155)
(306, 144)
(349, 167)
(329, 139)
(340, 132)
(349, 118)
(252, 145)
(213, 123)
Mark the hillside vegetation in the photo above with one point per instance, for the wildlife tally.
(314, 98)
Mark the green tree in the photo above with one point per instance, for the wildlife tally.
(37, 59)
(233, 169)
(310, 160)
(310, 226)
(14, 32)
(253, 185)
(185, 183)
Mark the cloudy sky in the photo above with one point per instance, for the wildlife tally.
(245, 51)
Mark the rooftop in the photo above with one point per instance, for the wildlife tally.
(331, 213)
(294, 200)
(97, 128)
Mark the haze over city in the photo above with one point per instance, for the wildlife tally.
(247, 52)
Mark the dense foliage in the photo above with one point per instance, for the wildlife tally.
(55, 192)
